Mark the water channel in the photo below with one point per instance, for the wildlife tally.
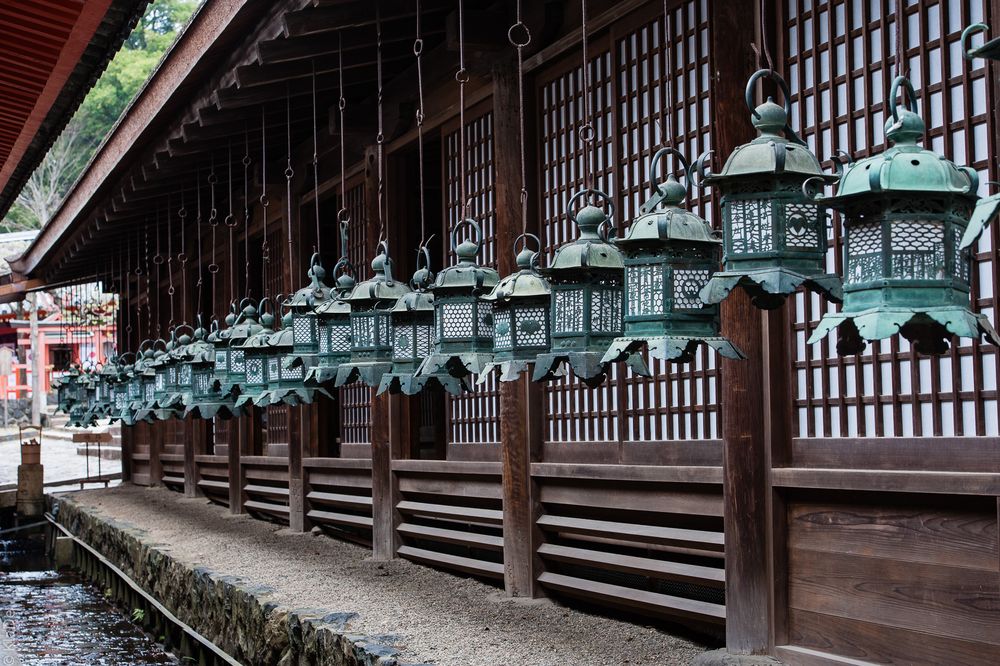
(50, 618)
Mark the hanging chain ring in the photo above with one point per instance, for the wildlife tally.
(246, 160)
(213, 268)
(380, 138)
(518, 35)
(182, 212)
(213, 179)
(418, 46)
(264, 201)
(213, 217)
(587, 133)
(171, 291)
(230, 221)
(462, 75)
(182, 257)
(344, 216)
(157, 259)
(289, 172)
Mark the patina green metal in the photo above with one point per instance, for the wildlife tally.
(256, 352)
(230, 357)
(156, 387)
(205, 400)
(108, 376)
(521, 303)
(66, 389)
(774, 236)
(906, 214)
(371, 304)
(333, 318)
(990, 49)
(463, 321)
(670, 255)
(587, 277)
(285, 380)
(81, 412)
(142, 385)
(305, 327)
(412, 338)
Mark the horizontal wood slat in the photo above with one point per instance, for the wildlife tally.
(670, 499)
(643, 566)
(278, 510)
(465, 564)
(340, 518)
(267, 491)
(660, 474)
(358, 502)
(951, 483)
(447, 511)
(460, 537)
(667, 535)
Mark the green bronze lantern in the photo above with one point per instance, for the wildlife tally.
(463, 320)
(305, 328)
(256, 353)
(412, 337)
(66, 389)
(989, 50)
(586, 313)
(371, 304)
(670, 255)
(774, 236)
(333, 319)
(119, 389)
(285, 379)
(204, 399)
(521, 303)
(145, 380)
(81, 413)
(230, 357)
(907, 238)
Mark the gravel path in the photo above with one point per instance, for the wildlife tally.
(440, 618)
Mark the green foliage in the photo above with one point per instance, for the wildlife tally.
(18, 218)
(138, 615)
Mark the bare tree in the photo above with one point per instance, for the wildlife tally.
(50, 182)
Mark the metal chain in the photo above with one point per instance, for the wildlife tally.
(765, 49)
(182, 255)
(318, 245)
(264, 202)
(380, 137)
(157, 261)
(149, 301)
(230, 220)
(170, 259)
(586, 131)
(344, 215)
(418, 50)
(462, 76)
(246, 209)
(289, 174)
(197, 226)
(213, 221)
(668, 65)
(519, 36)
(900, 48)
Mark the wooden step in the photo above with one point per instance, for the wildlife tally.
(644, 566)
(340, 518)
(471, 539)
(634, 599)
(359, 502)
(266, 491)
(702, 539)
(465, 564)
(491, 516)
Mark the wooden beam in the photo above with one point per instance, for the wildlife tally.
(324, 45)
(352, 15)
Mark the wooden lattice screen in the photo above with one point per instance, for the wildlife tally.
(889, 390)
(473, 416)
(628, 85)
(356, 399)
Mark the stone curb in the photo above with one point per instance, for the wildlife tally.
(235, 614)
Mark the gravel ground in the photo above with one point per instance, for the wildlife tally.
(441, 618)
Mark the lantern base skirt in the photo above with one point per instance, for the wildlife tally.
(407, 384)
(250, 399)
(675, 349)
(509, 370)
(369, 374)
(928, 329)
(290, 396)
(768, 287)
(459, 366)
(587, 366)
(304, 361)
(320, 375)
(213, 410)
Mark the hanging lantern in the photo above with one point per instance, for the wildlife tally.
(154, 384)
(81, 413)
(333, 321)
(66, 389)
(255, 353)
(107, 381)
(172, 396)
(586, 313)
(989, 50)
(119, 389)
(285, 380)
(371, 324)
(133, 390)
(144, 377)
(907, 239)
(412, 336)
(670, 255)
(774, 236)
(521, 303)
(463, 320)
(203, 399)
(230, 357)
(305, 329)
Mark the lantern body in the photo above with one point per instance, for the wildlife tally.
(285, 378)
(774, 235)
(670, 255)
(304, 325)
(371, 325)
(463, 319)
(910, 218)
(585, 315)
(256, 357)
(521, 322)
(333, 319)
(230, 356)
(204, 398)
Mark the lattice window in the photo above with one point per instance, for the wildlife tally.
(633, 120)
(801, 231)
(356, 399)
(645, 288)
(237, 360)
(688, 282)
(752, 231)
(840, 64)
(473, 416)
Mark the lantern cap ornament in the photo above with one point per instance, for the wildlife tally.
(670, 253)
(910, 217)
(775, 239)
(990, 49)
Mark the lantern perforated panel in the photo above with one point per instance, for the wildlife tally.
(888, 390)
(629, 88)
(472, 416)
(355, 399)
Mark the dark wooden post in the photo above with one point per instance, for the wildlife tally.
(155, 431)
(745, 450)
(519, 439)
(194, 444)
(239, 433)
(296, 498)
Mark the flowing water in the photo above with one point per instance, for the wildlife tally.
(50, 618)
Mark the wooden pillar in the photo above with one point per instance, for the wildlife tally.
(127, 446)
(296, 497)
(155, 431)
(745, 501)
(238, 442)
(194, 444)
(519, 431)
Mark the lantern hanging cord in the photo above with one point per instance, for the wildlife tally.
(343, 215)
(264, 202)
(128, 290)
(519, 36)
(170, 258)
(462, 76)
(246, 209)
(380, 136)
(586, 132)
(900, 46)
(668, 65)
(318, 247)
(213, 220)
(149, 300)
(289, 174)
(765, 49)
(182, 257)
(231, 220)
(418, 50)
(197, 226)
(158, 261)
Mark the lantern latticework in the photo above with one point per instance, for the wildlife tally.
(204, 399)
(774, 235)
(256, 354)
(371, 304)
(907, 230)
(521, 303)
(670, 255)
(285, 379)
(305, 327)
(585, 316)
(230, 357)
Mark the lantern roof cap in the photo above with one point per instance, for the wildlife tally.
(245, 326)
(415, 301)
(905, 166)
(315, 292)
(261, 337)
(333, 306)
(591, 249)
(466, 275)
(380, 286)
(526, 282)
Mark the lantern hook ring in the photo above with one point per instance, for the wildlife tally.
(523, 240)
(157, 259)
(587, 133)
(893, 97)
(462, 75)
(518, 35)
(657, 160)
(476, 236)
(812, 188)
(702, 167)
(230, 220)
(596, 193)
(213, 268)
(967, 36)
(786, 95)
(344, 216)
